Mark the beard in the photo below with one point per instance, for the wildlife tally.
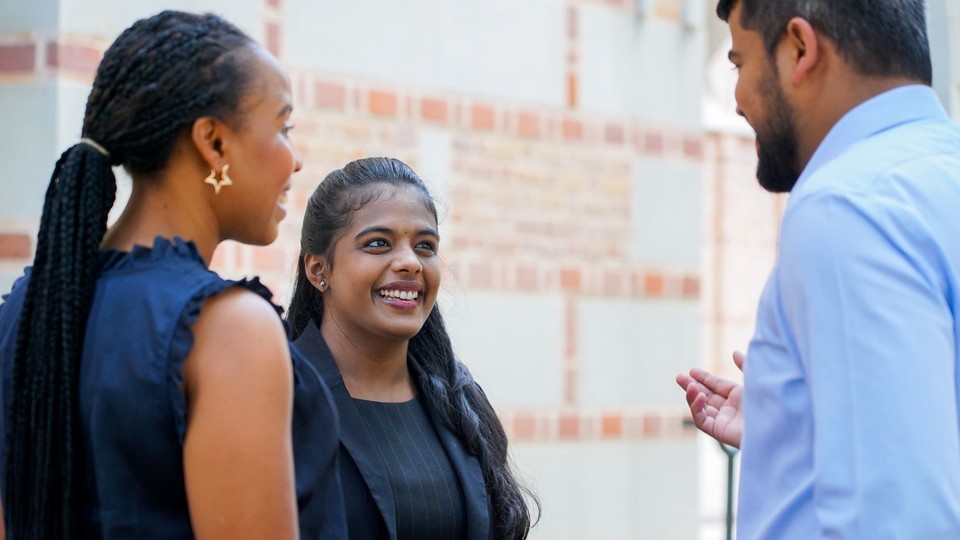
(777, 155)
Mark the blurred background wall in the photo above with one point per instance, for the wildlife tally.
(602, 228)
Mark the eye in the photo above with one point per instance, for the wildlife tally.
(376, 243)
(286, 129)
(427, 245)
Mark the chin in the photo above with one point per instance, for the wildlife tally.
(263, 238)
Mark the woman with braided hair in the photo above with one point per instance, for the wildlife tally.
(144, 396)
(422, 453)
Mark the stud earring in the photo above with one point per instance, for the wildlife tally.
(323, 284)
(223, 181)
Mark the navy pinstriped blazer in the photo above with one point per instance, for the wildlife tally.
(363, 475)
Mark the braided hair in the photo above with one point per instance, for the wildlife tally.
(446, 383)
(154, 81)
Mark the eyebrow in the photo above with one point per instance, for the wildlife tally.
(287, 109)
(387, 230)
(733, 55)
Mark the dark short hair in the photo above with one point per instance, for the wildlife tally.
(876, 37)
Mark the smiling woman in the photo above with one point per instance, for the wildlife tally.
(422, 452)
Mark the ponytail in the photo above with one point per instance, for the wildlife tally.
(39, 496)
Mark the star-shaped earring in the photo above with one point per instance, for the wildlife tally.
(217, 184)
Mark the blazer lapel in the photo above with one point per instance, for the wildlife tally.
(468, 471)
(354, 435)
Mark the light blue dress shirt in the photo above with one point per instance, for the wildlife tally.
(851, 380)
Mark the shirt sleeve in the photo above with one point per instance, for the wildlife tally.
(865, 303)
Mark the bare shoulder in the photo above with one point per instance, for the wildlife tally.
(238, 332)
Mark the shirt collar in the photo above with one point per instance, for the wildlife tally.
(879, 113)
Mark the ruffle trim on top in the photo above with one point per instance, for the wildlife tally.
(181, 342)
(181, 339)
(163, 248)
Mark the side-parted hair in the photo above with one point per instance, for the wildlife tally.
(886, 38)
(447, 384)
(159, 76)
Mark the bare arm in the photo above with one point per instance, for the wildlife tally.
(238, 457)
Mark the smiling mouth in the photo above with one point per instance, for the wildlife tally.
(394, 294)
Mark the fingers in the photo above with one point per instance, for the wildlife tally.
(715, 384)
(738, 358)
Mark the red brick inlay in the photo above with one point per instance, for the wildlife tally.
(272, 38)
(15, 246)
(691, 286)
(571, 22)
(482, 117)
(570, 279)
(572, 129)
(692, 147)
(572, 424)
(569, 426)
(653, 284)
(73, 57)
(17, 57)
(327, 95)
(572, 97)
(653, 143)
(383, 103)
(528, 124)
(434, 110)
(611, 426)
(525, 426)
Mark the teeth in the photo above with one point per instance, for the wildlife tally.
(283, 199)
(402, 295)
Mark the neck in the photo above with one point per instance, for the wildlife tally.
(154, 211)
(372, 369)
(833, 103)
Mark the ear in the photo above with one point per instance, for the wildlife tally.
(801, 48)
(207, 134)
(315, 267)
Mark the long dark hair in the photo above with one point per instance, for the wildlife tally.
(154, 81)
(446, 383)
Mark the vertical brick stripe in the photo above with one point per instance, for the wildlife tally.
(273, 38)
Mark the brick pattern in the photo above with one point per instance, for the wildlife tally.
(572, 43)
(15, 247)
(72, 57)
(572, 425)
(320, 94)
(667, 10)
(18, 58)
(580, 278)
(273, 16)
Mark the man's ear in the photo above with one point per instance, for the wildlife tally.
(315, 267)
(207, 134)
(800, 50)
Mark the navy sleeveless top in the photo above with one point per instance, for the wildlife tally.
(132, 407)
